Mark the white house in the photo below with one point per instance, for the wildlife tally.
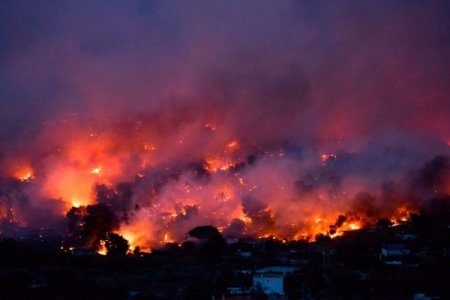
(271, 279)
(270, 283)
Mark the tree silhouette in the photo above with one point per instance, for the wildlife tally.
(116, 245)
(205, 232)
(88, 225)
(98, 222)
(383, 223)
(213, 242)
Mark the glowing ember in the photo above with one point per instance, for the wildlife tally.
(354, 226)
(210, 127)
(96, 171)
(326, 157)
(24, 174)
(75, 203)
(102, 248)
(233, 144)
(215, 164)
(149, 147)
(167, 239)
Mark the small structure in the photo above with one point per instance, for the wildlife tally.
(271, 279)
(243, 253)
(270, 283)
(420, 296)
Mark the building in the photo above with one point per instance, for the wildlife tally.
(271, 279)
(269, 283)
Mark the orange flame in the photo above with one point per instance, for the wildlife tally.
(24, 173)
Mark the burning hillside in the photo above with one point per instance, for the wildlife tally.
(191, 176)
(183, 118)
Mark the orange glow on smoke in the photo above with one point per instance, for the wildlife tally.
(84, 161)
(233, 145)
(327, 156)
(97, 171)
(149, 147)
(217, 163)
(210, 127)
(24, 173)
(401, 215)
(172, 205)
(71, 185)
(224, 160)
(137, 234)
(167, 239)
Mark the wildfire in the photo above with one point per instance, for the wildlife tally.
(135, 235)
(210, 127)
(354, 226)
(233, 144)
(24, 174)
(76, 203)
(102, 248)
(328, 225)
(149, 147)
(240, 215)
(216, 163)
(401, 215)
(167, 239)
(167, 201)
(325, 157)
(97, 171)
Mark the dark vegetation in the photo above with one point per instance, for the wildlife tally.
(348, 267)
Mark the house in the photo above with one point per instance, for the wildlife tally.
(420, 296)
(243, 253)
(269, 283)
(271, 279)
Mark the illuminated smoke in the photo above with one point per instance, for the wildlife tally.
(262, 119)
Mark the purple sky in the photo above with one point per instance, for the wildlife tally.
(326, 68)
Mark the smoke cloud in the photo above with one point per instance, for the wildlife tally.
(261, 118)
